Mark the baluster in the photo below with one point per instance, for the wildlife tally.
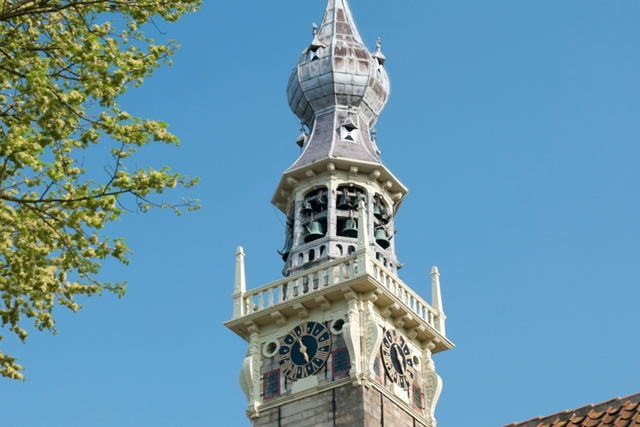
(271, 297)
(311, 284)
(260, 300)
(280, 295)
(341, 272)
(352, 269)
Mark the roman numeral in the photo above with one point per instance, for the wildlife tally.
(287, 365)
(322, 354)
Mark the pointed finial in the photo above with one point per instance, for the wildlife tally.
(315, 29)
(374, 139)
(379, 43)
(303, 136)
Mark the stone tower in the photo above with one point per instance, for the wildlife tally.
(340, 340)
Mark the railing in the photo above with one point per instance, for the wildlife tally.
(333, 273)
(299, 284)
(407, 296)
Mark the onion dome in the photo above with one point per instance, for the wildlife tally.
(336, 70)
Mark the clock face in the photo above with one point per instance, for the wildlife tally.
(397, 358)
(305, 350)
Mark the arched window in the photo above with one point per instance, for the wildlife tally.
(322, 249)
(339, 249)
(312, 255)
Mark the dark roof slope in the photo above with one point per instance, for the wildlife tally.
(618, 412)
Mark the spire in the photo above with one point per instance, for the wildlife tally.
(338, 84)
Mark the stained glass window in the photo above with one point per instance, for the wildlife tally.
(271, 384)
(340, 362)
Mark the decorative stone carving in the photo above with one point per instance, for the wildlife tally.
(324, 303)
(352, 333)
(281, 319)
(432, 384)
(413, 332)
(250, 373)
(388, 310)
(246, 382)
(400, 321)
(372, 340)
(301, 310)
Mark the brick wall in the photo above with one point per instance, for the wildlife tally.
(355, 407)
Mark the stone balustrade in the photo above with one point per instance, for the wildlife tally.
(355, 266)
(334, 273)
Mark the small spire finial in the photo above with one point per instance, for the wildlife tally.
(315, 29)
(379, 43)
(373, 135)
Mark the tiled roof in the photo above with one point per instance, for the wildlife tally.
(618, 412)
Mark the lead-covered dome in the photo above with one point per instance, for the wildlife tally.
(337, 70)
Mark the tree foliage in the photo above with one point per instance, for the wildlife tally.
(63, 65)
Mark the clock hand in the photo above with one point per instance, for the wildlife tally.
(399, 359)
(303, 350)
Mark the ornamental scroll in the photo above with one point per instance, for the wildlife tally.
(372, 340)
(432, 384)
(352, 333)
(250, 374)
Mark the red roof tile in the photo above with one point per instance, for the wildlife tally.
(619, 412)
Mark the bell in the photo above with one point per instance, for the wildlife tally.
(287, 249)
(381, 238)
(345, 202)
(385, 218)
(307, 209)
(321, 202)
(350, 229)
(376, 211)
(315, 232)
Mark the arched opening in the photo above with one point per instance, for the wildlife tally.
(339, 247)
(313, 214)
(352, 249)
(312, 255)
(322, 249)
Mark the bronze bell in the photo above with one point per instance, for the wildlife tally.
(321, 202)
(315, 232)
(345, 202)
(381, 238)
(287, 249)
(376, 211)
(385, 218)
(307, 209)
(350, 229)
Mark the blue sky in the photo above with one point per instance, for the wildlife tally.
(515, 125)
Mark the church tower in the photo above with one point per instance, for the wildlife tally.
(340, 340)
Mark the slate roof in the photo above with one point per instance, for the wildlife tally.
(338, 81)
(338, 70)
(618, 412)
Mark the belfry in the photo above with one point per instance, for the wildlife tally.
(340, 340)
